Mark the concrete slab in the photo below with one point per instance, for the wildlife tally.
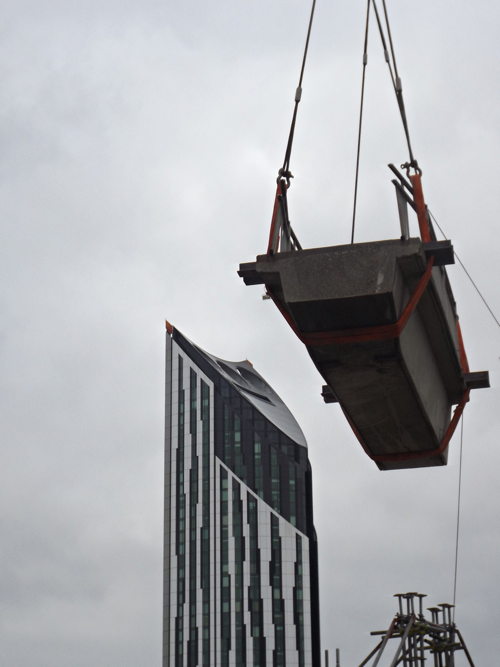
(396, 392)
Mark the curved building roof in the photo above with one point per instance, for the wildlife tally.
(252, 386)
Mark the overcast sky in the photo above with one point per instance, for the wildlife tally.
(139, 148)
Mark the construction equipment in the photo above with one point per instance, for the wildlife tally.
(417, 639)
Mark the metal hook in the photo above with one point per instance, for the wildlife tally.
(284, 175)
(411, 165)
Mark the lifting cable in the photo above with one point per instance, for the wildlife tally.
(281, 234)
(497, 321)
(396, 80)
(284, 172)
(360, 125)
(474, 285)
(390, 58)
(458, 515)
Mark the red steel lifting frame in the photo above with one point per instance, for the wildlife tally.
(383, 332)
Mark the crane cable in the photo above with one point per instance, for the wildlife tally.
(396, 79)
(360, 124)
(390, 58)
(459, 494)
(457, 539)
(472, 281)
(284, 172)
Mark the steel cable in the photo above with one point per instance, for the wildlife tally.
(361, 106)
(285, 171)
(458, 516)
(483, 299)
(396, 81)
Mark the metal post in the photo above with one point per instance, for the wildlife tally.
(384, 642)
(421, 597)
(403, 641)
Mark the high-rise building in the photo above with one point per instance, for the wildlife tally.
(240, 560)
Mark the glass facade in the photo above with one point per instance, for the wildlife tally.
(240, 547)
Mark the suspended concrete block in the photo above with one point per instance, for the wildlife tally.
(379, 322)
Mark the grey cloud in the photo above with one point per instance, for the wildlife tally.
(139, 147)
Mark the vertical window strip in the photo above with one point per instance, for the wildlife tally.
(180, 540)
(225, 578)
(205, 528)
(275, 480)
(239, 596)
(255, 602)
(298, 601)
(292, 481)
(278, 604)
(228, 437)
(193, 532)
(257, 466)
(238, 452)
